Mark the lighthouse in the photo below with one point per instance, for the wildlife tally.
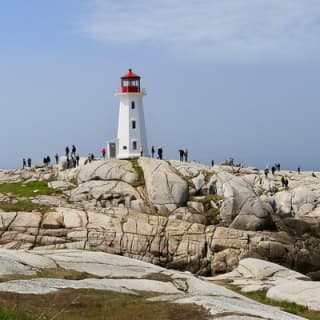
(131, 139)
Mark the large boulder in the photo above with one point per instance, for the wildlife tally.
(120, 170)
(104, 190)
(166, 189)
(241, 207)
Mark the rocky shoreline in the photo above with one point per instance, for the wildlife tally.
(178, 215)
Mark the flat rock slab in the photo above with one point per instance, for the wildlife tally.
(99, 264)
(280, 283)
(125, 275)
(306, 293)
(44, 285)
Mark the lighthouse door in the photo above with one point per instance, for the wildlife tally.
(112, 150)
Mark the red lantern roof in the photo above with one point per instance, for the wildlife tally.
(130, 75)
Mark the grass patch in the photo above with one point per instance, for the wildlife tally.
(71, 304)
(159, 277)
(11, 314)
(290, 307)
(139, 172)
(30, 189)
(212, 216)
(55, 273)
(22, 205)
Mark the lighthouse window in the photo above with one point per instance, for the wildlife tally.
(132, 105)
(124, 147)
(134, 145)
(133, 124)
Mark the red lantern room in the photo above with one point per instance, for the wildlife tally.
(130, 82)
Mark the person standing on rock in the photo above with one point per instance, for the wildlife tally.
(152, 151)
(212, 163)
(24, 163)
(77, 159)
(181, 153)
(67, 151)
(48, 160)
(283, 184)
(73, 150)
(266, 172)
(273, 170)
(186, 155)
(286, 183)
(103, 152)
(29, 162)
(56, 158)
(299, 170)
(160, 153)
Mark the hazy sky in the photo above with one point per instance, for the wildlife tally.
(225, 78)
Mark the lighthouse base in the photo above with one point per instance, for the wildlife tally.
(113, 151)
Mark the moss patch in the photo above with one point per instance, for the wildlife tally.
(22, 205)
(139, 172)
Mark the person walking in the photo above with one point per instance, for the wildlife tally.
(160, 153)
(103, 152)
(24, 163)
(283, 184)
(152, 151)
(67, 151)
(181, 153)
(186, 155)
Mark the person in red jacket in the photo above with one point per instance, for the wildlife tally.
(103, 152)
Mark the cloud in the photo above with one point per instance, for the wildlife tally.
(238, 29)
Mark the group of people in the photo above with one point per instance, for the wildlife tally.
(90, 158)
(73, 159)
(183, 153)
(274, 168)
(159, 152)
(285, 183)
(26, 163)
(46, 161)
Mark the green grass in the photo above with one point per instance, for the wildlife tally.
(290, 307)
(11, 314)
(22, 205)
(30, 189)
(71, 304)
(139, 172)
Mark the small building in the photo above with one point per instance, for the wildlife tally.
(131, 141)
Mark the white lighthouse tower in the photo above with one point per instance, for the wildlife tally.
(131, 141)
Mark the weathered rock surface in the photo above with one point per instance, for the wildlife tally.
(178, 287)
(204, 206)
(119, 170)
(165, 188)
(241, 208)
(156, 239)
